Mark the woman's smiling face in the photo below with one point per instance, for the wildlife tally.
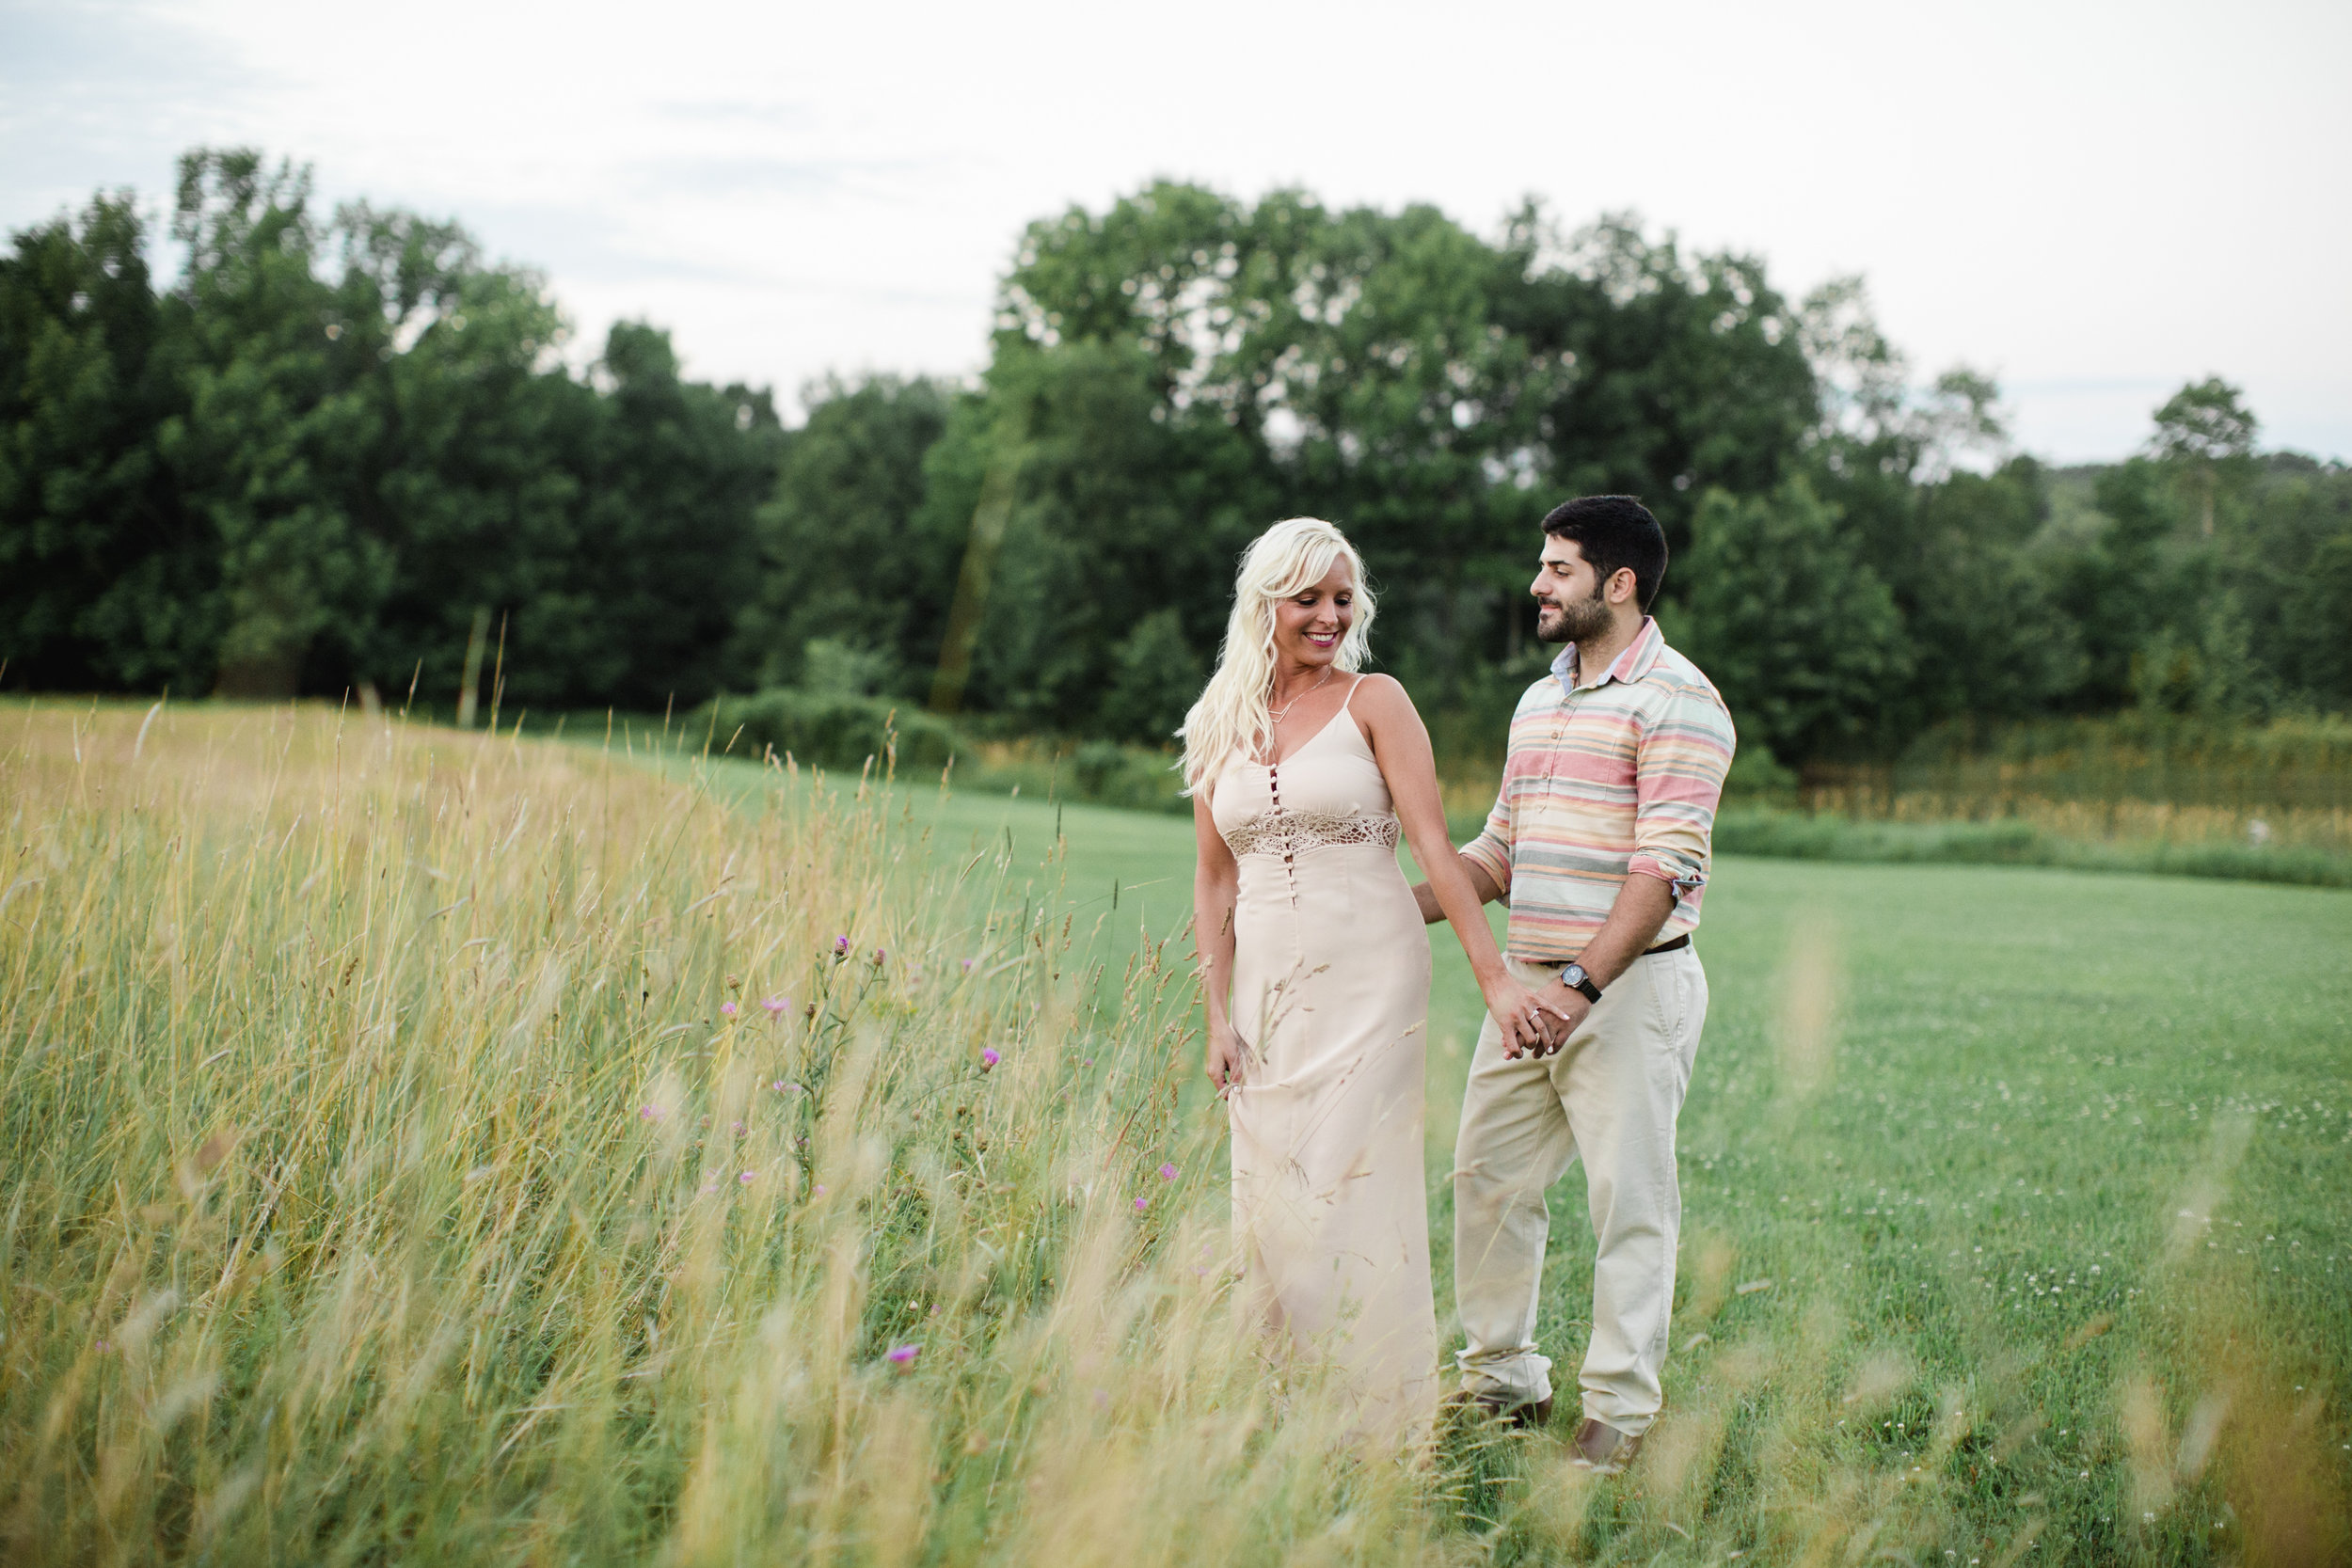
(1310, 623)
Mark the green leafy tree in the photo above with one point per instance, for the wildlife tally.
(330, 446)
(1880, 438)
(1974, 590)
(2125, 580)
(1431, 390)
(1655, 372)
(2206, 433)
(476, 482)
(460, 453)
(1955, 547)
(1794, 628)
(1155, 270)
(97, 553)
(666, 557)
(1156, 677)
(849, 553)
(2183, 590)
(2314, 638)
(272, 427)
(2283, 555)
(1118, 513)
(1390, 397)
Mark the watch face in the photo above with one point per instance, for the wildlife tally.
(1573, 976)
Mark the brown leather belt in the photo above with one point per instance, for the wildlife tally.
(1675, 947)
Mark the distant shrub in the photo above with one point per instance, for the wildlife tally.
(1756, 776)
(837, 730)
(1827, 836)
(2297, 760)
(1100, 772)
(1132, 776)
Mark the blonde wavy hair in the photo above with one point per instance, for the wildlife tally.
(1233, 710)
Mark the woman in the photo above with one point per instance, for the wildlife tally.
(1316, 965)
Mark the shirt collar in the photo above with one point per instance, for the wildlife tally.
(1637, 661)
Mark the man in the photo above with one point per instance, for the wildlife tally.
(1599, 838)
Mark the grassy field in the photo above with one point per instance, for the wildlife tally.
(384, 1181)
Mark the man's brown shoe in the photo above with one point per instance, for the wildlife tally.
(1602, 1448)
(1495, 1407)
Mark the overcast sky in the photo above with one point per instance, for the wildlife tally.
(2095, 202)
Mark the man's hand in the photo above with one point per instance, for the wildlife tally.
(1639, 909)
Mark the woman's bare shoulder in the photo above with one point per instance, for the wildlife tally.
(1377, 695)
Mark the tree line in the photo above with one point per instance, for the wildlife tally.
(336, 451)
(331, 444)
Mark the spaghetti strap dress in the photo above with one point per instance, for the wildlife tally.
(1330, 1001)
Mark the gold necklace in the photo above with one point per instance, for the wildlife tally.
(1277, 718)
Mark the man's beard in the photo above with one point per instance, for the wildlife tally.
(1573, 620)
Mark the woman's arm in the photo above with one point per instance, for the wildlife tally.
(1215, 878)
(1400, 742)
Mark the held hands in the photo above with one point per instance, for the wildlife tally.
(1565, 1012)
(1224, 1061)
(1538, 1022)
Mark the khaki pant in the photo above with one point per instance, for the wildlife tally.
(1610, 1097)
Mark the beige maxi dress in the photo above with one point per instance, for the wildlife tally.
(1331, 1001)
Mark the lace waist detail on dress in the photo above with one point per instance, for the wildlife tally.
(1294, 832)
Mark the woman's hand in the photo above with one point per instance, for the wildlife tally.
(1215, 878)
(1225, 1058)
(1530, 1021)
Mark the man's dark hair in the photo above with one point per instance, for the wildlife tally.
(1615, 531)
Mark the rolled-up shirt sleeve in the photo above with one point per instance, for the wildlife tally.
(1490, 851)
(1679, 763)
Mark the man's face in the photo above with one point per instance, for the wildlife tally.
(1569, 593)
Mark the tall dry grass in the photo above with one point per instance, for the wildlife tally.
(429, 1148)
(387, 1177)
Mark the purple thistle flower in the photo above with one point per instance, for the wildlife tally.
(967, 966)
(776, 1004)
(840, 945)
(881, 955)
(1142, 1203)
(820, 1186)
(780, 1086)
(727, 1009)
(648, 1113)
(989, 1058)
(745, 1179)
(903, 1356)
(1168, 1173)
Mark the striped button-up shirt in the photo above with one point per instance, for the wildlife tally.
(1606, 777)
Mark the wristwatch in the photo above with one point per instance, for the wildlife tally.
(1576, 979)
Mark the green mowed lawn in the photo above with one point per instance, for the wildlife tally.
(2011, 1141)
